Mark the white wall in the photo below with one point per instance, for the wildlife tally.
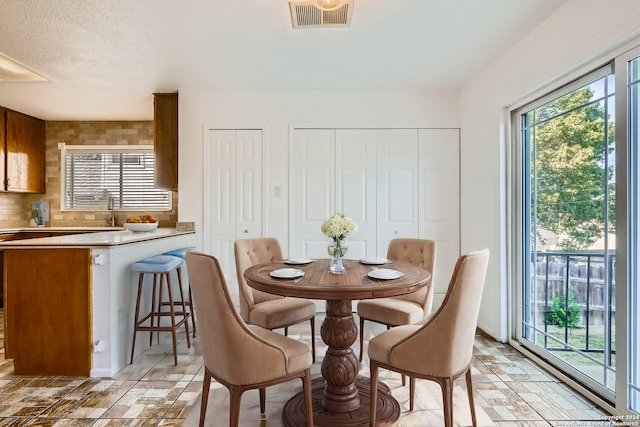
(565, 45)
(278, 111)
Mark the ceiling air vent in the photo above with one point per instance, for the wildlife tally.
(306, 14)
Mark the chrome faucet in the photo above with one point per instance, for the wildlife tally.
(112, 208)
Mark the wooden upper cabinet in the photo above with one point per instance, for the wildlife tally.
(166, 140)
(3, 175)
(25, 153)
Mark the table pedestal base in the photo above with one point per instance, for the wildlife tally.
(388, 409)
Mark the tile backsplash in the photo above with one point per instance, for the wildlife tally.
(15, 209)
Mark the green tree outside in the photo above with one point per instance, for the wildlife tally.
(569, 178)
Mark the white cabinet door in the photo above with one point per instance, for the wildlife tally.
(233, 196)
(440, 201)
(397, 186)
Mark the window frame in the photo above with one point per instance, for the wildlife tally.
(105, 150)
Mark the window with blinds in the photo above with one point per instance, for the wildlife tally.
(92, 175)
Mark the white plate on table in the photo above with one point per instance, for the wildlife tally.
(385, 274)
(298, 261)
(287, 273)
(374, 261)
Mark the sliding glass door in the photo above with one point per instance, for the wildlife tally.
(577, 200)
(568, 296)
(628, 82)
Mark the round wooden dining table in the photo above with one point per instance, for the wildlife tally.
(340, 396)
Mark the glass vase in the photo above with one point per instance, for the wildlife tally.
(337, 251)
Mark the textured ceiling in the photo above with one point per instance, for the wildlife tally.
(104, 59)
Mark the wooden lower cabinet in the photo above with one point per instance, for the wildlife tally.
(48, 311)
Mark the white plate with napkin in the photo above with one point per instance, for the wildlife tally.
(374, 261)
(298, 261)
(385, 274)
(287, 273)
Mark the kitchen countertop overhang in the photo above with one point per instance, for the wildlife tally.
(114, 237)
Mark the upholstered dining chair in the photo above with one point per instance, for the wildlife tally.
(439, 348)
(264, 309)
(238, 356)
(403, 309)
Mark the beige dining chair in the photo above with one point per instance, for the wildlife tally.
(264, 309)
(439, 348)
(238, 356)
(403, 309)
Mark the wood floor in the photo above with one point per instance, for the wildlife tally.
(510, 391)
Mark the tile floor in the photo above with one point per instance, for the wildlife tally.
(510, 391)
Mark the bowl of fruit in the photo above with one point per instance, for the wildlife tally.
(141, 223)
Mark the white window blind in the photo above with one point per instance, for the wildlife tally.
(94, 174)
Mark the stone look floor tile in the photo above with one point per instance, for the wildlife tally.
(510, 391)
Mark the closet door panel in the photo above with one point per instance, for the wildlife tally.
(233, 199)
(312, 190)
(440, 200)
(397, 192)
(356, 187)
(249, 181)
(222, 213)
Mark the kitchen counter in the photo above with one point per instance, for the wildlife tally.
(60, 229)
(70, 298)
(90, 239)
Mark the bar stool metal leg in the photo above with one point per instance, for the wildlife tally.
(181, 253)
(135, 325)
(161, 268)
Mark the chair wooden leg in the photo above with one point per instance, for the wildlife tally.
(472, 406)
(286, 331)
(313, 339)
(206, 383)
(412, 392)
(373, 396)
(235, 394)
(404, 380)
(191, 312)
(263, 398)
(447, 400)
(308, 400)
(361, 337)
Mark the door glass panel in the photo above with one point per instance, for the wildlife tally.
(568, 295)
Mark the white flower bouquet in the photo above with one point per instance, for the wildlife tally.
(338, 226)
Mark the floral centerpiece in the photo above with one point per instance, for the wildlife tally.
(338, 227)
